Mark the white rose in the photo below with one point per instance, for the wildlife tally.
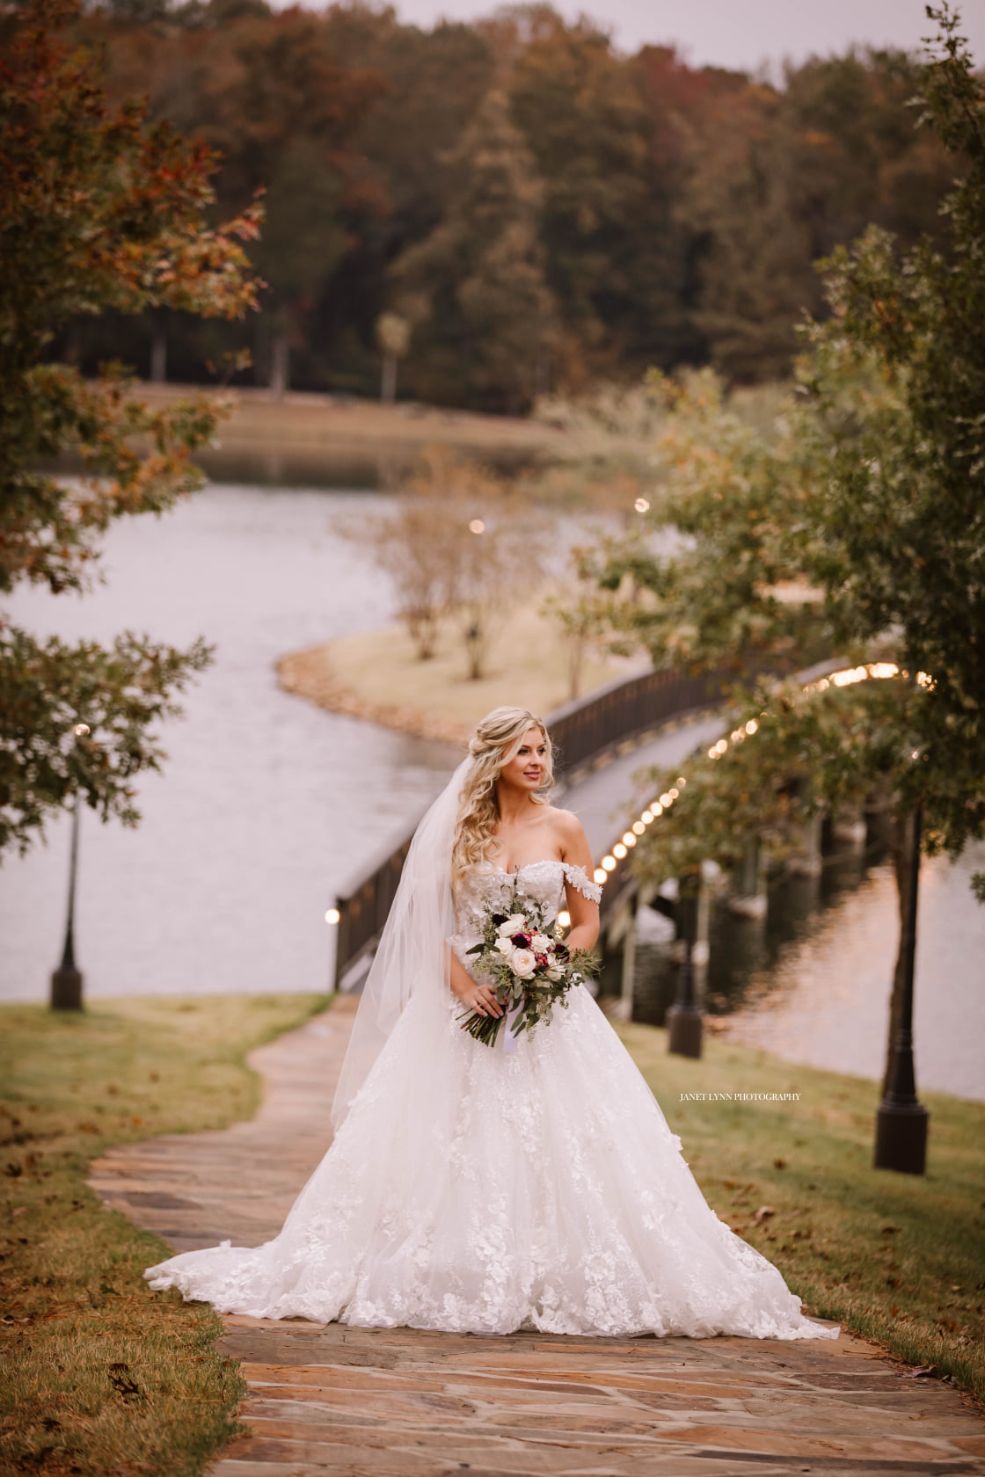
(554, 973)
(504, 947)
(523, 963)
(540, 943)
(515, 924)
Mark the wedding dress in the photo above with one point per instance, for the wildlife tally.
(534, 1184)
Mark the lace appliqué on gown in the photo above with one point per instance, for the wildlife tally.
(478, 1190)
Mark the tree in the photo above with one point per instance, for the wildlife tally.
(266, 90)
(898, 509)
(303, 244)
(858, 525)
(500, 559)
(474, 288)
(457, 545)
(288, 113)
(613, 252)
(100, 210)
(418, 545)
(779, 176)
(393, 337)
(579, 609)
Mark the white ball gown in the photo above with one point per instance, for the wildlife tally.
(534, 1184)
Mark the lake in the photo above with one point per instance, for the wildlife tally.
(268, 806)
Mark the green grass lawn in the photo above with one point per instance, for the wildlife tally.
(102, 1375)
(897, 1258)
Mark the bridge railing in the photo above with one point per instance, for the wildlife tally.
(581, 731)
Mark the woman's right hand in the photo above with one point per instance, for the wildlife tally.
(480, 998)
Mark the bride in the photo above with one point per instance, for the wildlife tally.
(529, 1184)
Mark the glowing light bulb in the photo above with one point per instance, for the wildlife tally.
(609, 863)
(619, 850)
(642, 505)
(333, 916)
(477, 526)
(600, 875)
(640, 826)
(564, 918)
(752, 726)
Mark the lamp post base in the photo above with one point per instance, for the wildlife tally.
(66, 988)
(685, 1025)
(901, 1137)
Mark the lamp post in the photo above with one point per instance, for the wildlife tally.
(473, 631)
(684, 1018)
(67, 979)
(901, 1119)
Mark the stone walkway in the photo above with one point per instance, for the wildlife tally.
(367, 1402)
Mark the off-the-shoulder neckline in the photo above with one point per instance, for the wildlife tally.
(546, 861)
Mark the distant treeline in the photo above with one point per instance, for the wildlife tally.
(539, 209)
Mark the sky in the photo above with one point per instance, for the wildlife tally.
(740, 33)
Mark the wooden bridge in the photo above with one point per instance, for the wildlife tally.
(655, 718)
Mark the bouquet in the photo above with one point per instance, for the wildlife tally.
(529, 967)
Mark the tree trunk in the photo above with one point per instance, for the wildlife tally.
(576, 655)
(475, 646)
(388, 383)
(259, 348)
(903, 860)
(423, 629)
(159, 353)
(280, 359)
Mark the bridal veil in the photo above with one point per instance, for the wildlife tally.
(412, 954)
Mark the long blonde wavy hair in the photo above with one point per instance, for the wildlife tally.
(494, 743)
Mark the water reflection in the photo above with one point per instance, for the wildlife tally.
(338, 466)
(811, 980)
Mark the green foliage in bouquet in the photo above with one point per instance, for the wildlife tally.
(531, 969)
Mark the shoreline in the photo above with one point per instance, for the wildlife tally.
(261, 420)
(298, 674)
(373, 675)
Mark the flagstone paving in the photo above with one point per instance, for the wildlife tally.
(404, 1402)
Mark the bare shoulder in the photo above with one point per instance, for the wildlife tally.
(566, 821)
(566, 824)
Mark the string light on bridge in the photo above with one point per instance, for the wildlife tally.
(846, 677)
